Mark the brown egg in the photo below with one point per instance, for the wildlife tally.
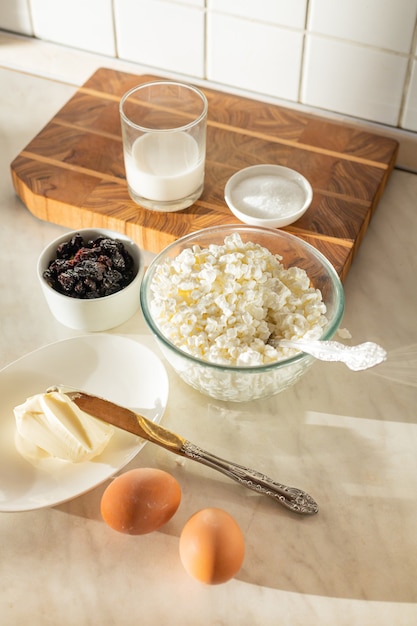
(140, 501)
(212, 546)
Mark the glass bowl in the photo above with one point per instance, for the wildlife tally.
(242, 384)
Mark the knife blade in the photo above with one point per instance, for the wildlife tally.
(126, 419)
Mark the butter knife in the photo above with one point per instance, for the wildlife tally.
(292, 498)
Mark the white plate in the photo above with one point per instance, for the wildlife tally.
(117, 368)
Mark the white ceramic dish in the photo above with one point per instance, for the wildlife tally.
(117, 368)
(97, 314)
(272, 196)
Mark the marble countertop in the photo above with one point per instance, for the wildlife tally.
(348, 438)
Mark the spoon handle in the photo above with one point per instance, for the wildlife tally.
(292, 498)
(359, 357)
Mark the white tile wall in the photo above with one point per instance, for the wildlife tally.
(279, 12)
(15, 16)
(385, 24)
(85, 24)
(193, 3)
(165, 35)
(409, 119)
(255, 56)
(350, 57)
(354, 80)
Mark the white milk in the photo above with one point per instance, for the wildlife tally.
(164, 166)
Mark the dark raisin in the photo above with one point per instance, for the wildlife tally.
(112, 280)
(118, 260)
(105, 260)
(83, 254)
(90, 285)
(106, 244)
(67, 249)
(90, 269)
(79, 290)
(67, 280)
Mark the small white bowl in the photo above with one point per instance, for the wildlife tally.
(272, 196)
(96, 314)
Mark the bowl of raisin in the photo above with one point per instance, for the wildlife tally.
(91, 278)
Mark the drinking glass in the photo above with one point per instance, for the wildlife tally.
(164, 144)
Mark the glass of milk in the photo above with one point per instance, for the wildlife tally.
(164, 144)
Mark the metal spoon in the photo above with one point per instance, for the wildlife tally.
(359, 357)
(292, 498)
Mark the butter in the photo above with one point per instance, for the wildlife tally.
(51, 425)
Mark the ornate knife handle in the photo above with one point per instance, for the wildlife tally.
(292, 498)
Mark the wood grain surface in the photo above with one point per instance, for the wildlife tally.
(72, 173)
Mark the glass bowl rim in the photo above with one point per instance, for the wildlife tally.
(329, 330)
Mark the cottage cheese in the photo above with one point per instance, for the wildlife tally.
(230, 304)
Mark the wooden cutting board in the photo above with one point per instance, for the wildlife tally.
(72, 172)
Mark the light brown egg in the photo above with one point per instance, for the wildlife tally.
(212, 546)
(140, 501)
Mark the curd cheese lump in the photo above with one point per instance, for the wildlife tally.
(229, 304)
(51, 425)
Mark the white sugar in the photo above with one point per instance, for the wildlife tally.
(268, 196)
